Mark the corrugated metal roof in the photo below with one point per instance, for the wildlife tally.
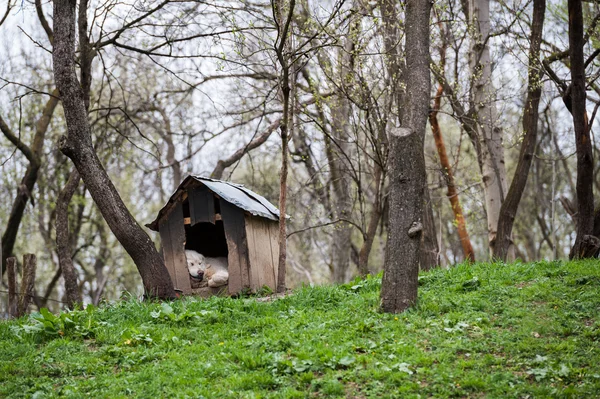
(233, 193)
(241, 197)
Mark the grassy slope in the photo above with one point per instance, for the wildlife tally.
(483, 330)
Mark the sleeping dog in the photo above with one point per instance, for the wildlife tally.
(214, 270)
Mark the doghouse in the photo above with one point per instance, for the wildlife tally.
(219, 218)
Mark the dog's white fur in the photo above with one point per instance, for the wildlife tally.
(214, 270)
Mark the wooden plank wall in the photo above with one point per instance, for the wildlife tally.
(263, 263)
(274, 238)
(172, 236)
(235, 233)
(202, 205)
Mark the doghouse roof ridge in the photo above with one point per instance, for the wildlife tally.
(233, 193)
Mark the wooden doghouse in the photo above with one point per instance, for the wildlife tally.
(218, 218)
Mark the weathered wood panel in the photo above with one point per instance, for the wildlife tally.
(235, 233)
(260, 253)
(172, 236)
(274, 239)
(202, 205)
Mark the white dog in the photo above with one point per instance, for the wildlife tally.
(214, 270)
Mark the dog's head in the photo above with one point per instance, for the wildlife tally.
(196, 263)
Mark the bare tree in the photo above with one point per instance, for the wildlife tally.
(33, 153)
(77, 145)
(63, 242)
(406, 168)
(584, 241)
(509, 208)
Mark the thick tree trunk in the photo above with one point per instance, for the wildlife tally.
(25, 190)
(63, 242)
(407, 169)
(77, 145)
(583, 144)
(509, 208)
(488, 131)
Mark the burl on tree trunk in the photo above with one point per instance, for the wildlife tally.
(77, 145)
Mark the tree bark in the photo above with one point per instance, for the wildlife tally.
(583, 144)
(283, 22)
(11, 266)
(63, 242)
(27, 283)
(365, 250)
(488, 132)
(77, 145)
(429, 257)
(25, 190)
(509, 208)
(407, 168)
(451, 193)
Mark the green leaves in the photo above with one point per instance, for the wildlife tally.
(45, 325)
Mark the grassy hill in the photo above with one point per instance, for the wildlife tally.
(482, 330)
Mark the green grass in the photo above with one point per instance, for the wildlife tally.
(482, 330)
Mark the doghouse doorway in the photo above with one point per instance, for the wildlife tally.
(207, 239)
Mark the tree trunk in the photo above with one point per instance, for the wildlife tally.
(77, 145)
(11, 266)
(283, 23)
(429, 257)
(407, 169)
(340, 157)
(583, 144)
(488, 132)
(365, 250)
(509, 208)
(27, 283)
(451, 193)
(63, 242)
(342, 183)
(25, 190)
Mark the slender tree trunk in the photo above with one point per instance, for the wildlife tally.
(365, 250)
(25, 190)
(63, 242)
(407, 168)
(11, 266)
(429, 257)
(27, 283)
(341, 156)
(583, 143)
(509, 208)
(283, 22)
(488, 131)
(77, 145)
(342, 184)
(451, 193)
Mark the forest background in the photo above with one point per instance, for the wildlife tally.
(177, 88)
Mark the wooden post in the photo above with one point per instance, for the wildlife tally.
(11, 269)
(27, 283)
